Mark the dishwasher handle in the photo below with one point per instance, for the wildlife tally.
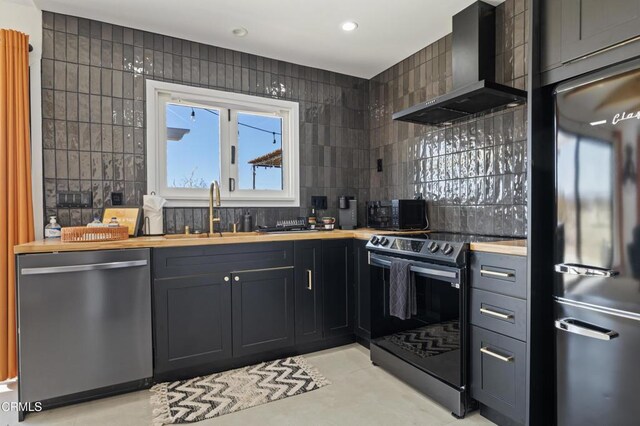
(82, 268)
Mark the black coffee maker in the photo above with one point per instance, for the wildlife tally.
(348, 212)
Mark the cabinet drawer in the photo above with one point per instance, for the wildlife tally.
(499, 273)
(499, 313)
(498, 378)
(223, 258)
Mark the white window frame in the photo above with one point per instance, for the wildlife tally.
(160, 93)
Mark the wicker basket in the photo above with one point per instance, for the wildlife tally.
(97, 233)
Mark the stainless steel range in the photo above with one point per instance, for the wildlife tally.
(429, 349)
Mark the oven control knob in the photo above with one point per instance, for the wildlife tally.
(384, 241)
(433, 247)
(375, 241)
(447, 249)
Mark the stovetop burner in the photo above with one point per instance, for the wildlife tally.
(441, 247)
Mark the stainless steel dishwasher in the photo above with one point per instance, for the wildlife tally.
(84, 324)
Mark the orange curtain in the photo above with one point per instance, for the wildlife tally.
(16, 210)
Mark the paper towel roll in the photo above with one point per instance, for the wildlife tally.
(153, 213)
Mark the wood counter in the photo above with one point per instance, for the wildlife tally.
(512, 247)
(515, 247)
(181, 240)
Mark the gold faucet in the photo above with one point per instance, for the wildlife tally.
(214, 188)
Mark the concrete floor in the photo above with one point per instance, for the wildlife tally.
(360, 394)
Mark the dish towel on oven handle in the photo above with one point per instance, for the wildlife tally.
(402, 290)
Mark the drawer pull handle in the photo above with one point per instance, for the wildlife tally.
(309, 280)
(495, 314)
(497, 273)
(486, 350)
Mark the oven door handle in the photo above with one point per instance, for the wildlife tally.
(420, 270)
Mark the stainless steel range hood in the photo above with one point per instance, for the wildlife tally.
(474, 88)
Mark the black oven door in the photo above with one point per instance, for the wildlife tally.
(435, 338)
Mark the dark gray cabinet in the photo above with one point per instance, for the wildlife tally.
(503, 314)
(337, 280)
(498, 367)
(499, 273)
(192, 321)
(222, 306)
(498, 312)
(362, 305)
(592, 25)
(550, 34)
(308, 291)
(263, 310)
(202, 315)
(580, 36)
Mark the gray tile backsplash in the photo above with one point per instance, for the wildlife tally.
(93, 82)
(472, 173)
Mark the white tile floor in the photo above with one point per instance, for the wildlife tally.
(360, 394)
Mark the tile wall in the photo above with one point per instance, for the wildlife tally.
(472, 173)
(93, 93)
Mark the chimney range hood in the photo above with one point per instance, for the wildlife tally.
(473, 62)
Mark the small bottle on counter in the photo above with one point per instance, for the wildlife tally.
(53, 229)
(312, 220)
(96, 223)
(114, 222)
(248, 226)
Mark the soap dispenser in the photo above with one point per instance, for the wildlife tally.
(248, 222)
(53, 229)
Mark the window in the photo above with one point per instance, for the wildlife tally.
(249, 144)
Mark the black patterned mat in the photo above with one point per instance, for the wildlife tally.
(430, 340)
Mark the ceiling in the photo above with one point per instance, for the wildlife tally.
(299, 31)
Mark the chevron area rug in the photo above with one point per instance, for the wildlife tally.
(200, 398)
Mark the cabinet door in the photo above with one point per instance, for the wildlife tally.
(308, 291)
(337, 276)
(363, 290)
(192, 321)
(263, 310)
(550, 34)
(498, 379)
(592, 25)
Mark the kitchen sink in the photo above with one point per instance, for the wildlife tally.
(189, 236)
(206, 235)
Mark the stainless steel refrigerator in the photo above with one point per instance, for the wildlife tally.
(597, 255)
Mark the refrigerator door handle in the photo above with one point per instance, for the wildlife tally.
(572, 325)
(588, 271)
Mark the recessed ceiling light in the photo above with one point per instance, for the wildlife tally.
(349, 26)
(513, 104)
(240, 32)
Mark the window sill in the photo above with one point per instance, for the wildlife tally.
(173, 202)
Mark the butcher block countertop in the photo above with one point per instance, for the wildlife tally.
(517, 247)
(181, 240)
(512, 247)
